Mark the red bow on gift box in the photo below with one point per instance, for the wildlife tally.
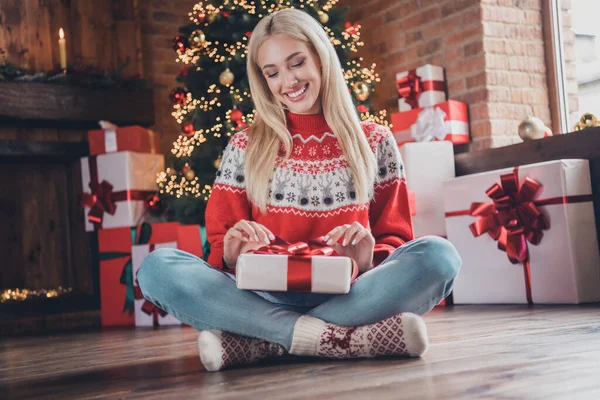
(513, 218)
(300, 260)
(410, 88)
(102, 198)
(412, 85)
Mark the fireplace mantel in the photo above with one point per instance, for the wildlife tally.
(63, 106)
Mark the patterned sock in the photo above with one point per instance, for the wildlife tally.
(220, 349)
(401, 335)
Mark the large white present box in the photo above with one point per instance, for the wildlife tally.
(280, 272)
(131, 177)
(424, 86)
(427, 165)
(564, 265)
(146, 313)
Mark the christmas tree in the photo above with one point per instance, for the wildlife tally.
(213, 101)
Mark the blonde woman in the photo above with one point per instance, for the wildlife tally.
(306, 168)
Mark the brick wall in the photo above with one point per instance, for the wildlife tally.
(160, 23)
(493, 52)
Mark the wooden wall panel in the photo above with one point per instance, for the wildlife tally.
(100, 32)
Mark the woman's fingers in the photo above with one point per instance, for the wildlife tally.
(246, 227)
(234, 232)
(336, 233)
(351, 232)
(358, 237)
(262, 232)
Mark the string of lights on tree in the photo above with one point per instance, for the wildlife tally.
(213, 99)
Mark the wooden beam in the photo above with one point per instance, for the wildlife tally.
(39, 101)
(26, 150)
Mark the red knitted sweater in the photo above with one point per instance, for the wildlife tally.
(312, 192)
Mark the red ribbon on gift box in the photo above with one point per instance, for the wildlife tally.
(513, 218)
(102, 198)
(300, 260)
(412, 85)
(148, 307)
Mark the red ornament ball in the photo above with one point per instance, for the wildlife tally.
(178, 96)
(201, 17)
(248, 34)
(187, 128)
(362, 108)
(226, 14)
(236, 115)
(180, 43)
(184, 71)
(154, 204)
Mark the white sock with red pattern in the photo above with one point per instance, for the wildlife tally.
(401, 335)
(220, 349)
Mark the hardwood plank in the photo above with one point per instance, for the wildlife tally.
(475, 352)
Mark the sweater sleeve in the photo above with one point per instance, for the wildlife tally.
(228, 202)
(389, 214)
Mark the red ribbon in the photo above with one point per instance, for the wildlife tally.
(411, 86)
(513, 218)
(148, 307)
(300, 260)
(102, 198)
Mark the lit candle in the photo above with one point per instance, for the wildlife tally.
(62, 47)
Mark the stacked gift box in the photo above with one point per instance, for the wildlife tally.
(426, 128)
(118, 178)
(526, 234)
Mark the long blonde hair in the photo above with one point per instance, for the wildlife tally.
(269, 130)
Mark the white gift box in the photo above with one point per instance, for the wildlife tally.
(427, 165)
(124, 170)
(269, 272)
(427, 98)
(564, 267)
(142, 318)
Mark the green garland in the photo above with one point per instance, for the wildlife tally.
(76, 75)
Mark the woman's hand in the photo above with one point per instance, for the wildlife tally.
(357, 243)
(243, 237)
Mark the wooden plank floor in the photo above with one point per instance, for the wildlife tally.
(500, 352)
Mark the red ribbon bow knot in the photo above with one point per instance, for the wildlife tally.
(100, 200)
(513, 218)
(410, 88)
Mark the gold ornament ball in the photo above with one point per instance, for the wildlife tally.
(211, 18)
(217, 163)
(587, 120)
(190, 174)
(197, 37)
(532, 128)
(323, 17)
(361, 91)
(226, 77)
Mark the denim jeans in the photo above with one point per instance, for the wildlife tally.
(414, 278)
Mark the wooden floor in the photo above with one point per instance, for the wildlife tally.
(500, 352)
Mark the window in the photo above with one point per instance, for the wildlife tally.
(575, 34)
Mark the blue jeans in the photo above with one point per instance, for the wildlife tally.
(414, 278)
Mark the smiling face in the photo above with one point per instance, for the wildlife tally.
(292, 72)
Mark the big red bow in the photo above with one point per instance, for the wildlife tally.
(410, 88)
(513, 218)
(280, 246)
(300, 260)
(100, 200)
